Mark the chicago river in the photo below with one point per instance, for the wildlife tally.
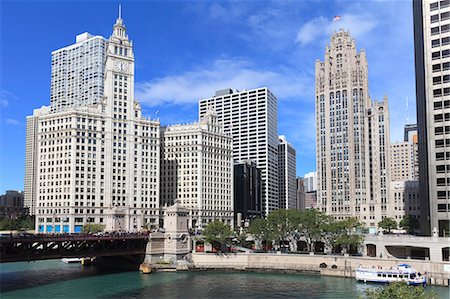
(55, 279)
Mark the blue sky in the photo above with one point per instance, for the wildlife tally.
(185, 50)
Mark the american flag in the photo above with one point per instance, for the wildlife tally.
(337, 18)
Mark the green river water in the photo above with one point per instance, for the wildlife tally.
(55, 279)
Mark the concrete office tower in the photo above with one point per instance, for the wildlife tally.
(11, 204)
(247, 193)
(414, 141)
(347, 124)
(251, 117)
(411, 141)
(310, 180)
(402, 161)
(78, 73)
(99, 163)
(196, 169)
(300, 194)
(378, 163)
(31, 158)
(432, 52)
(287, 175)
(311, 200)
(404, 197)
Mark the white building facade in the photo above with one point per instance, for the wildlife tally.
(78, 73)
(352, 136)
(251, 117)
(432, 60)
(98, 160)
(197, 170)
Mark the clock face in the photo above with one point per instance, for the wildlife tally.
(120, 66)
(117, 65)
(124, 66)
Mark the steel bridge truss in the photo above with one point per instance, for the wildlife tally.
(33, 248)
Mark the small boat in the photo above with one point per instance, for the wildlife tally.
(71, 260)
(403, 272)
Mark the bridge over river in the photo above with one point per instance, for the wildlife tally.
(15, 248)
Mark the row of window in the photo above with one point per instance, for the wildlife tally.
(441, 4)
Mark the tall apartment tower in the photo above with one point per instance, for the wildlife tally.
(350, 131)
(251, 117)
(97, 162)
(287, 175)
(197, 170)
(432, 59)
(78, 73)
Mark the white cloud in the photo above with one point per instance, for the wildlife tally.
(321, 27)
(311, 30)
(6, 97)
(203, 81)
(13, 122)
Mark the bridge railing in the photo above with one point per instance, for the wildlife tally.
(61, 237)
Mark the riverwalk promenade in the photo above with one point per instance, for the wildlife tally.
(341, 266)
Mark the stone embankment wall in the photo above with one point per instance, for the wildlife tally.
(342, 266)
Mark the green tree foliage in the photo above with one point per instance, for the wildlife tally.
(19, 223)
(312, 226)
(280, 225)
(348, 233)
(409, 223)
(217, 234)
(259, 228)
(93, 228)
(388, 224)
(399, 290)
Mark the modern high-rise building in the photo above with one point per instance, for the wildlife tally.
(300, 194)
(78, 72)
(247, 192)
(287, 175)
(98, 158)
(409, 131)
(411, 136)
(432, 60)
(352, 136)
(310, 181)
(251, 117)
(197, 170)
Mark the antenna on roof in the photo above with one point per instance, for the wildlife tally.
(120, 11)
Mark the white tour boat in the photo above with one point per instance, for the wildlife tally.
(71, 260)
(402, 272)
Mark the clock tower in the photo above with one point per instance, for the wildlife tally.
(119, 64)
(131, 190)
